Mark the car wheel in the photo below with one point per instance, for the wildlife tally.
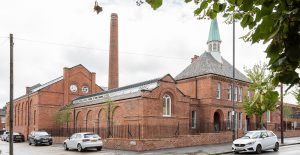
(29, 142)
(50, 143)
(276, 148)
(99, 148)
(258, 149)
(235, 152)
(79, 148)
(66, 147)
(34, 143)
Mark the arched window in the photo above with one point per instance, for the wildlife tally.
(214, 47)
(167, 105)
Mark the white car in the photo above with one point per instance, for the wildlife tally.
(82, 141)
(256, 141)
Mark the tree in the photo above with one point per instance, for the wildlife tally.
(276, 22)
(63, 115)
(296, 94)
(265, 97)
(287, 111)
(110, 108)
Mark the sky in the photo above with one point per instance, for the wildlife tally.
(51, 35)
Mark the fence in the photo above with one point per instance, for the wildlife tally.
(139, 131)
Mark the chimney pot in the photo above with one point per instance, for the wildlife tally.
(194, 58)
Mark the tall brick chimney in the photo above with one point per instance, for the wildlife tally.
(113, 70)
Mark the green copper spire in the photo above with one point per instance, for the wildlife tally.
(214, 34)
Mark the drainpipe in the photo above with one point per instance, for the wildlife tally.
(28, 122)
(196, 90)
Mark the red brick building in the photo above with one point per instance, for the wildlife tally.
(2, 119)
(35, 110)
(198, 102)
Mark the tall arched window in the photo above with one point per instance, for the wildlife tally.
(167, 105)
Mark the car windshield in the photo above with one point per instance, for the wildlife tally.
(41, 134)
(91, 135)
(252, 135)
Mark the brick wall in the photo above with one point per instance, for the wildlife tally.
(181, 141)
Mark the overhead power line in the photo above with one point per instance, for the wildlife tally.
(90, 48)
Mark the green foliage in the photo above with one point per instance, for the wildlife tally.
(155, 3)
(276, 22)
(63, 115)
(296, 94)
(287, 111)
(110, 108)
(265, 97)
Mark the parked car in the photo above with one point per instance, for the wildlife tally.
(5, 136)
(17, 137)
(82, 141)
(256, 141)
(39, 137)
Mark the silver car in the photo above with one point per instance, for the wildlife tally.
(82, 141)
(256, 141)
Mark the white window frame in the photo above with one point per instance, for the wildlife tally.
(248, 94)
(168, 105)
(229, 119)
(241, 94)
(218, 90)
(235, 93)
(229, 92)
(268, 116)
(194, 119)
(240, 120)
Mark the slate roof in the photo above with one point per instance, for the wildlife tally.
(39, 86)
(206, 64)
(129, 91)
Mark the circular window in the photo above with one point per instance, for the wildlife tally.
(73, 88)
(85, 89)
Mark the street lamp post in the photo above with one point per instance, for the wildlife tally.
(233, 79)
(281, 113)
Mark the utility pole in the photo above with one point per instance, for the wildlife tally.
(281, 113)
(233, 80)
(11, 104)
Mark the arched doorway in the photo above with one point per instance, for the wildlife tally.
(218, 117)
(217, 122)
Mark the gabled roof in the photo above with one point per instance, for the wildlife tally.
(39, 87)
(133, 90)
(206, 64)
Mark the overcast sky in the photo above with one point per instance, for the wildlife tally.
(52, 34)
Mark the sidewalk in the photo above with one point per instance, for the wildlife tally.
(212, 149)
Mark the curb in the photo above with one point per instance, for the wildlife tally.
(227, 152)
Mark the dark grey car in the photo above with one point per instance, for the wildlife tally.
(39, 138)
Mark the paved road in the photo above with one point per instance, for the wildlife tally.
(57, 149)
(284, 150)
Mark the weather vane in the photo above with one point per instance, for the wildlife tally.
(97, 8)
(139, 2)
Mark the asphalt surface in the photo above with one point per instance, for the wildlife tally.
(283, 150)
(57, 149)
